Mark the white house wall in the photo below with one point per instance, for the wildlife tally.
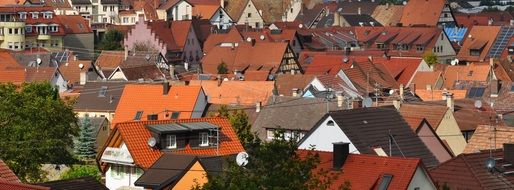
(59, 81)
(193, 49)
(181, 11)
(324, 136)
(448, 52)
(255, 19)
(127, 179)
(421, 180)
(293, 11)
(221, 19)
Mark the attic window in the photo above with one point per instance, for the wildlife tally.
(103, 91)
(175, 115)
(138, 115)
(470, 73)
(386, 180)
(475, 92)
(330, 123)
(81, 26)
(153, 117)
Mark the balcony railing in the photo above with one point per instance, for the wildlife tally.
(117, 155)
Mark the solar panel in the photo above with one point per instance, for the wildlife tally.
(480, 92)
(502, 40)
(476, 92)
(471, 93)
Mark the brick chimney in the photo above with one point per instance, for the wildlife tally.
(339, 155)
(165, 88)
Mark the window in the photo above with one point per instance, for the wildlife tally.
(81, 25)
(10, 31)
(270, 133)
(204, 139)
(171, 141)
(16, 31)
(287, 135)
(138, 115)
(249, 15)
(103, 91)
(112, 8)
(47, 15)
(153, 117)
(386, 179)
(125, 20)
(175, 115)
(16, 45)
(35, 15)
(133, 20)
(10, 45)
(420, 48)
(330, 123)
(105, 8)
(105, 20)
(23, 15)
(117, 171)
(512, 89)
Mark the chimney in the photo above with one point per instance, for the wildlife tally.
(491, 62)
(258, 107)
(511, 22)
(339, 155)
(83, 77)
(397, 104)
(450, 102)
(359, 11)
(222, 3)
(219, 80)
(490, 21)
(508, 152)
(126, 52)
(387, 5)
(370, 58)
(260, 12)
(413, 88)
(336, 19)
(340, 99)
(401, 91)
(165, 88)
(172, 71)
(295, 92)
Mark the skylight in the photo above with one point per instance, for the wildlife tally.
(102, 91)
(386, 180)
(138, 115)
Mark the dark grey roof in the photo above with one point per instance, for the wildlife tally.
(307, 16)
(291, 113)
(91, 100)
(80, 2)
(110, 1)
(84, 183)
(180, 127)
(369, 127)
(166, 170)
(96, 122)
(214, 165)
(357, 20)
(29, 59)
(352, 7)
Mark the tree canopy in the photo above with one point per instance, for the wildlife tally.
(78, 171)
(37, 128)
(222, 68)
(85, 145)
(112, 40)
(430, 58)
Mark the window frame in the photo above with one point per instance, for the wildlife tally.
(203, 136)
(171, 141)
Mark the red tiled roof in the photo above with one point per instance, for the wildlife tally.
(6, 173)
(10, 70)
(286, 83)
(20, 186)
(481, 139)
(71, 70)
(326, 64)
(180, 30)
(366, 171)
(434, 114)
(256, 75)
(215, 39)
(424, 78)
(74, 24)
(236, 92)
(436, 95)
(402, 69)
(110, 59)
(430, 17)
(135, 136)
(482, 36)
(482, 19)
(149, 98)
(205, 11)
(472, 72)
(39, 74)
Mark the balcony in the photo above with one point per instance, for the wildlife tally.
(117, 156)
(44, 37)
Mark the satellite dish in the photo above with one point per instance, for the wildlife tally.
(242, 159)
(345, 60)
(367, 102)
(38, 61)
(151, 142)
(249, 39)
(404, 2)
(453, 63)
(262, 37)
(490, 163)
(478, 104)
(81, 66)
(147, 57)
(300, 26)
(391, 92)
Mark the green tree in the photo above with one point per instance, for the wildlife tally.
(222, 68)
(273, 165)
(85, 145)
(430, 58)
(112, 40)
(78, 171)
(37, 128)
(239, 121)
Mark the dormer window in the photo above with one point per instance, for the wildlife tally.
(23, 15)
(35, 15)
(171, 141)
(47, 15)
(474, 52)
(204, 139)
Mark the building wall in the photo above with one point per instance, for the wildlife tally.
(12, 38)
(423, 66)
(323, 137)
(60, 82)
(192, 49)
(79, 43)
(255, 20)
(125, 178)
(117, 75)
(129, 19)
(449, 131)
(181, 11)
(102, 135)
(293, 11)
(195, 175)
(430, 140)
(55, 43)
(200, 105)
(221, 19)
(142, 34)
(108, 115)
(108, 16)
(421, 180)
(448, 53)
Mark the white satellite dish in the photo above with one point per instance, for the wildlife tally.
(151, 142)
(147, 57)
(367, 102)
(300, 26)
(249, 39)
(391, 92)
(404, 2)
(38, 61)
(457, 61)
(81, 66)
(478, 104)
(242, 159)
(345, 60)
(262, 37)
(490, 163)
(453, 63)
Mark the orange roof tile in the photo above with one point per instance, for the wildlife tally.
(482, 36)
(135, 136)
(233, 36)
(414, 122)
(6, 173)
(256, 75)
(430, 17)
(71, 70)
(481, 139)
(205, 11)
(434, 114)
(180, 30)
(110, 59)
(149, 98)
(436, 95)
(424, 78)
(236, 92)
(10, 70)
(39, 74)
(75, 24)
(402, 69)
(326, 64)
(366, 171)
(473, 72)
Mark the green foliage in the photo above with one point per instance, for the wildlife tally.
(273, 165)
(85, 145)
(430, 58)
(78, 171)
(112, 40)
(37, 128)
(239, 121)
(222, 68)
(223, 111)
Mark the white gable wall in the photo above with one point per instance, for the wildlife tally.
(323, 137)
(421, 180)
(221, 19)
(251, 16)
(118, 175)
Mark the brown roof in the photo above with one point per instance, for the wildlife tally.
(388, 15)
(436, 95)
(10, 70)
(40, 74)
(472, 72)
(469, 20)
(256, 75)
(468, 171)
(215, 39)
(286, 83)
(75, 24)
(6, 173)
(205, 11)
(434, 114)
(71, 70)
(378, 75)
(479, 38)
(180, 30)
(481, 139)
(424, 78)
(468, 117)
(323, 64)
(235, 8)
(110, 59)
(430, 17)
(272, 11)
(236, 92)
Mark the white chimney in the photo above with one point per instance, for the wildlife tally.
(126, 52)
(512, 22)
(337, 21)
(295, 92)
(222, 3)
(401, 91)
(258, 107)
(450, 102)
(260, 12)
(397, 104)
(340, 100)
(359, 11)
(83, 77)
